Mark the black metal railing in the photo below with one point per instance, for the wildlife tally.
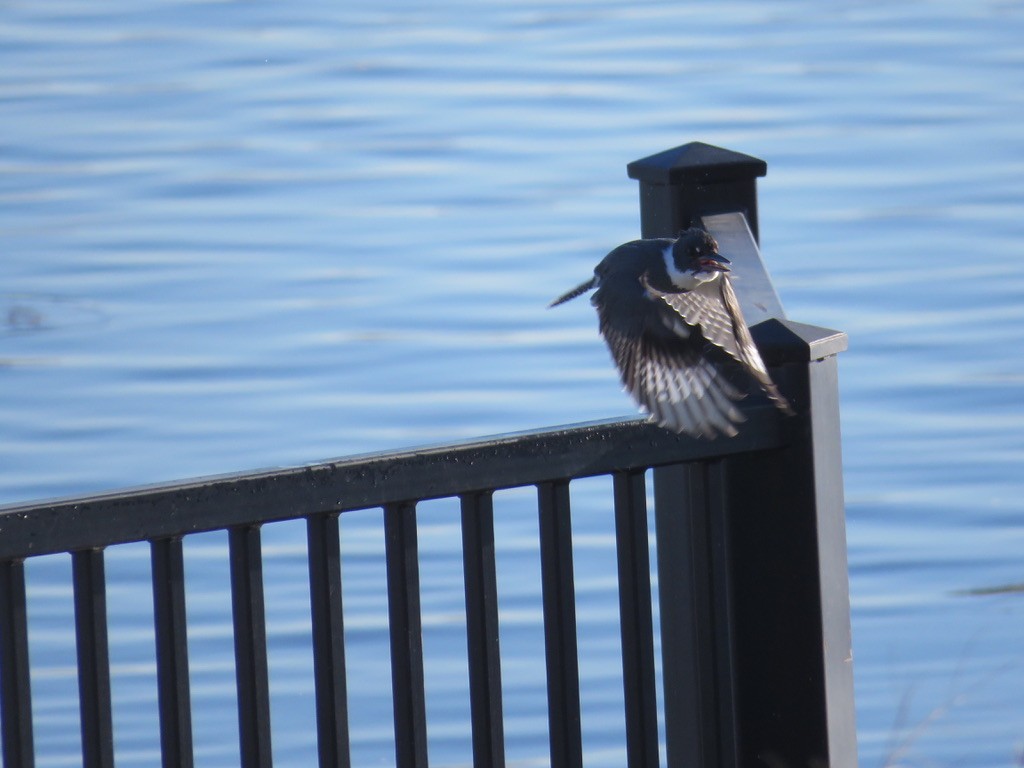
(750, 546)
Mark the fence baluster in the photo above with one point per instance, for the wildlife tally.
(635, 620)
(93, 658)
(172, 652)
(482, 630)
(328, 640)
(559, 599)
(406, 635)
(15, 688)
(250, 646)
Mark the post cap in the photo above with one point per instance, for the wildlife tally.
(698, 161)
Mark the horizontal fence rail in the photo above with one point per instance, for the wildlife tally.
(250, 498)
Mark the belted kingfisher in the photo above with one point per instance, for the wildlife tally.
(670, 317)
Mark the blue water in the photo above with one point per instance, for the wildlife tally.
(238, 235)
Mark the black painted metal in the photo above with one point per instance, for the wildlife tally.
(171, 652)
(210, 504)
(680, 496)
(559, 598)
(250, 628)
(15, 688)
(754, 604)
(635, 622)
(324, 548)
(790, 604)
(93, 658)
(699, 719)
(680, 185)
(482, 630)
(407, 688)
(721, 563)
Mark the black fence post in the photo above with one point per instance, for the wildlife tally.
(784, 630)
(793, 663)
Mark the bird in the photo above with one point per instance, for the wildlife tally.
(670, 317)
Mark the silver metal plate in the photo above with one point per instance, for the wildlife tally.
(750, 279)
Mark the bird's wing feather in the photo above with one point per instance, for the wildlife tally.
(704, 307)
(715, 309)
(681, 389)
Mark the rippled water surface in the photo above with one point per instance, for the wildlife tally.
(238, 235)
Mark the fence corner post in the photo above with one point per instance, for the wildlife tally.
(680, 185)
(782, 630)
(791, 599)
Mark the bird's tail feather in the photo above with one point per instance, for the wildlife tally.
(579, 289)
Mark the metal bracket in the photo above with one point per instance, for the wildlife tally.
(753, 286)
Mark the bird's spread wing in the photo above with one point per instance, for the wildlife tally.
(714, 308)
(683, 389)
(706, 308)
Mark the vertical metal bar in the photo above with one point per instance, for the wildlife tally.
(15, 688)
(171, 652)
(406, 635)
(482, 630)
(560, 624)
(324, 548)
(696, 663)
(635, 620)
(93, 658)
(250, 629)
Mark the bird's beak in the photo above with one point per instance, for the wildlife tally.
(715, 261)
